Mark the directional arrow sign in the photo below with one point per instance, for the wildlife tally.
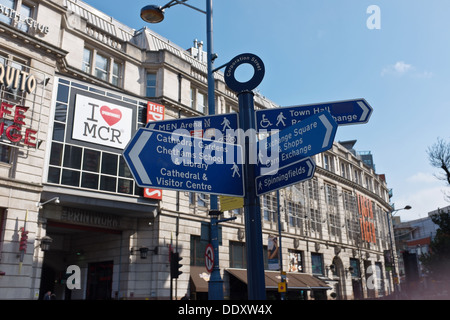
(309, 137)
(291, 174)
(206, 127)
(172, 161)
(344, 113)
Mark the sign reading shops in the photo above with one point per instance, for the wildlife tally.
(15, 114)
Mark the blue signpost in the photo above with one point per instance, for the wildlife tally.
(346, 112)
(170, 158)
(256, 284)
(291, 174)
(171, 161)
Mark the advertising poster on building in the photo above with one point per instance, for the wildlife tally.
(101, 122)
(295, 262)
(272, 251)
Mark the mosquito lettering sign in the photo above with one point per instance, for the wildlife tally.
(19, 121)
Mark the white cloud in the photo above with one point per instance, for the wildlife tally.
(422, 177)
(401, 68)
(422, 201)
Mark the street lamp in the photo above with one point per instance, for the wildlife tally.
(155, 14)
(152, 14)
(394, 270)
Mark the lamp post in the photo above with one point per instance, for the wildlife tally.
(394, 270)
(155, 14)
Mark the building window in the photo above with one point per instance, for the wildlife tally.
(315, 221)
(317, 263)
(351, 216)
(198, 248)
(17, 18)
(201, 102)
(328, 162)
(2, 226)
(105, 68)
(115, 73)
(5, 153)
(357, 176)
(294, 211)
(150, 90)
(238, 255)
(25, 12)
(87, 60)
(331, 199)
(7, 4)
(355, 270)
(101, 67)
(269, 207)
(313, 189)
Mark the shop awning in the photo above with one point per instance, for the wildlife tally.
(199, 279)
(295, 280)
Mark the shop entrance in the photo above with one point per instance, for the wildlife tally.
(94, 250)
(99, 281)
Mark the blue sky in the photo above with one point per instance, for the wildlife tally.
(322, 50)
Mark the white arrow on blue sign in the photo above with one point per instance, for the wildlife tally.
(291, 174)
(309, 137)
(346, 112)
(167, 160)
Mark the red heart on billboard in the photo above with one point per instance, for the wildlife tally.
(111, 116)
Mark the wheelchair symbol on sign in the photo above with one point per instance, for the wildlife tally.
(264, 123)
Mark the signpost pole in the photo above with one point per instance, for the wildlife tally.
(256, 284)
(253, 228)
(215, 284)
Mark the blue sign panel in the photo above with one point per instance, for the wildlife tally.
(344, 113)
(309, 137)
(202, 127)
(167, 160)
(291, 174)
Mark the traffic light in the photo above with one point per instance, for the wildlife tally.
(23, 241)
(175, 265)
